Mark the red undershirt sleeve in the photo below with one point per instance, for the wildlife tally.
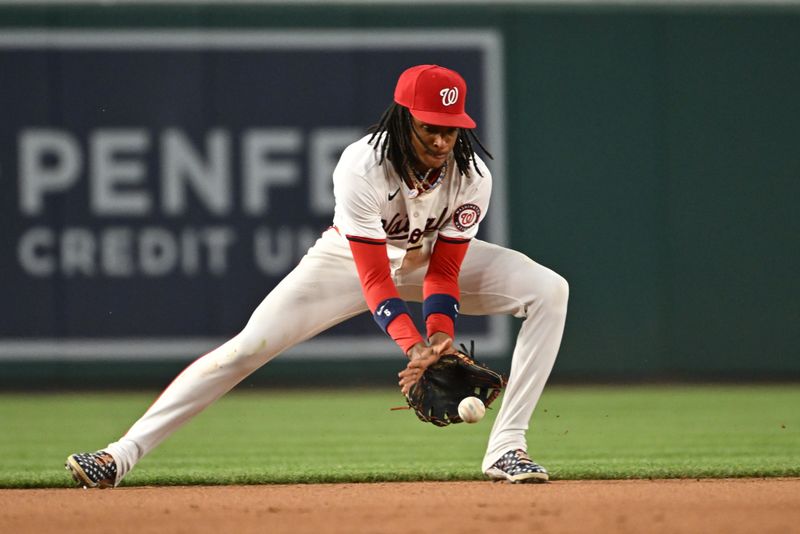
(440, 291)
(372, 263)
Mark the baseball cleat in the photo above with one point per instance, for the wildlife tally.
(93, 469)
(517, 467)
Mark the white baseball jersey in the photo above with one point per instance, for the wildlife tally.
(373, 201)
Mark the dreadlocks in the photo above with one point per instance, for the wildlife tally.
(392, 136)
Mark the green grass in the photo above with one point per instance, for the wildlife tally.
(338, 436)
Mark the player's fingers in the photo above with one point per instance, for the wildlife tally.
(442, 347)
(417, 364)
(410, 379)
(405, 385)
(409, 368)
(423, 363)
(405, 380)
(409, 374)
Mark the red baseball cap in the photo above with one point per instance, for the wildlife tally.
(435, 95)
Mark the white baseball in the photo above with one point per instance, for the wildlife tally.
(471, 410)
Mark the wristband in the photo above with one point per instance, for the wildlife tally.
(440, 303)
(389, 310)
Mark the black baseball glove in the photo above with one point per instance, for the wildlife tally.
(443, 385)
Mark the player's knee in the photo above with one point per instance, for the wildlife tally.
(558, 293)
(549, 292)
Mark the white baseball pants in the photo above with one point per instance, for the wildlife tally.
(324, 290)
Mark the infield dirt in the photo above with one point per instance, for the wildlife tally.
(729, 506)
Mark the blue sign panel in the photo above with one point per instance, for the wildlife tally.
(158, 184)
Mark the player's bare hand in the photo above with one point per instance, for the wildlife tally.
(408, 377)
(441, 343)
(422, 357)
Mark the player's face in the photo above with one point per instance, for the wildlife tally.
(432, 144)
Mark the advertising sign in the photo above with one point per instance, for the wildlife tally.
(157, 184)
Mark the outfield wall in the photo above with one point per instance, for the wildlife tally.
(650, 154)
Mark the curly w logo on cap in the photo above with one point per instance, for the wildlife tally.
(449, 95)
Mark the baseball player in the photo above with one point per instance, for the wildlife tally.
(410, 197)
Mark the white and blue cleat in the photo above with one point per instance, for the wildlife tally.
(517, 467)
